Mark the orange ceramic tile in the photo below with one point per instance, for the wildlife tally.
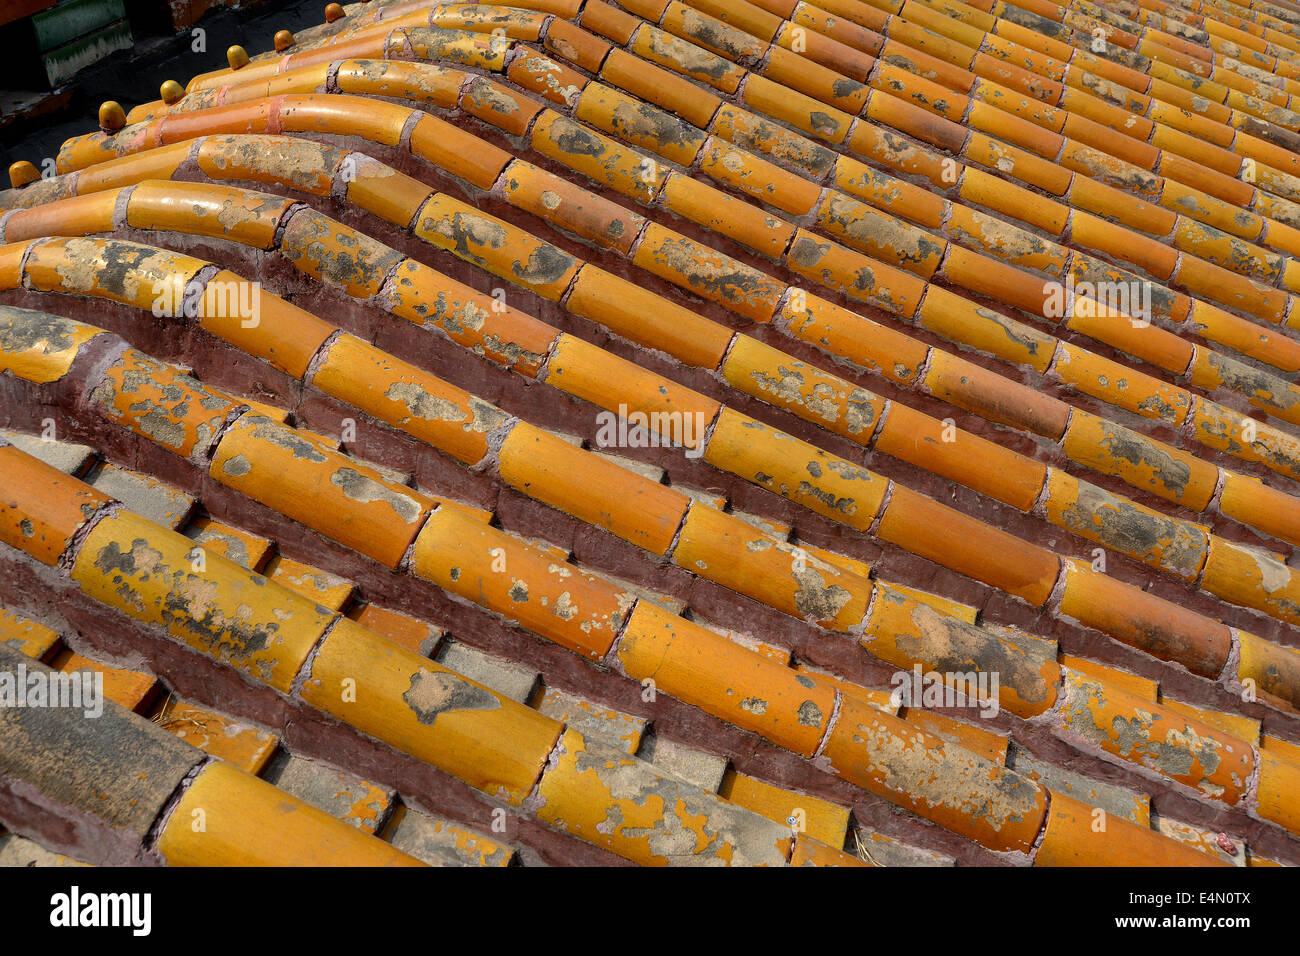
(857, 276)
(1254, 503)
(499, 247)
(822, 821)
(608, 21)
(854, 338)
(1072, 838)
(939, 68)
(758, 178)
(639, 123)
(989, 468)
(831, 486)
(610, 497)
(880, 235)
(39, 347)
(805, 76)
(1235, 725)
(248, 822)
(907, 117)
(1273, 669)
(207, 209)
(378, 122)
(605, 162)
(1244, 336)
(80, 267)
(576, 45)
(489, 741)
(162, 403)
(499, 106)
(1251, 577)
(599, 794)
(421, 83)
(1132, 683)
(1008, 243)
(327, 590)
(734, 218)
(1159, 627)
(677, 414)
(708, 273)
(777, 378)
(982, 189)
(823, 49)
(1143, 462)
(328, 491)
(1150, 343)
(939, 781)
(1026, 167)
(1120, 385)
(966, 545)
(634, 312)
(1278, 781)
(1217, 184)
(1153, 736)
(890, 193)
(239, 618)
(158, 163)
(76, 216)
(41, 508)
(907, 632)
(1171, 544)
(337, 255)
(951, 378)
(575, 609)
(759, 135)
(1097, 234)
(884, 146)
(382, 190)
(546, 77)
(408, 397)
(798, 110)
(458, 152)
(1230, 252)
(133, 690)
(1209, 210)
(498, 332)
(1090, 134)
(239, 745)
(728, 551)
(963, 612)
(282, 334)
(649, 82)
(1117, 118)
(244, 548)
(991, 746)
(731, 42)
(960, 320)
(410, 632)
(720, 677)
(1011, 128)
(1285, 749)
(31, 638)
(686, 58)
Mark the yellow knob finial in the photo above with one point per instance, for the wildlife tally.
(22, 173)
(111, 116)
